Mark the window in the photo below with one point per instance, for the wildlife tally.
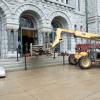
(79, 5)
(26, 22)
(81, 28)
(66, 1)
(75, 27)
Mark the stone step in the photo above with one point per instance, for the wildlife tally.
(40, 61)
(10, 59)
(10, 62)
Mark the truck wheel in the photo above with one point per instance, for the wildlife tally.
(71, 60)
(85, 63)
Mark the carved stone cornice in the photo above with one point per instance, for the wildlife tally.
(58, 5)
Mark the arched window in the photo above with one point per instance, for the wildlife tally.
(26, 22)
(56, 24)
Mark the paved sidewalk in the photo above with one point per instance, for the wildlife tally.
(52, 83)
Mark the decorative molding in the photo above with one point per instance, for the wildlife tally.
(60, 4)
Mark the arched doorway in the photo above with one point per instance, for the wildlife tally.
(27, 31)
(58, 22)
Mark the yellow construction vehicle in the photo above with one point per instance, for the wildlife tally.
(87, 50)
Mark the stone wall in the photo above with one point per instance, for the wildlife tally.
(47, 10)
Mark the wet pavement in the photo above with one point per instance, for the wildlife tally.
(52, 83)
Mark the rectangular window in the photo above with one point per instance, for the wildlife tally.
(75, 27)
(79, 5)
(81, 28)
(66, 1)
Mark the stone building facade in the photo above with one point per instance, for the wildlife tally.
(31, 21)
(93, 15)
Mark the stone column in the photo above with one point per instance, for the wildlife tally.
(64, 43)
(15, 40)
(4, 44)
(0, 33)
(73, 44)
(43, 35)
(12, 43)
(40, 38)
(47, 40)
(10, 40)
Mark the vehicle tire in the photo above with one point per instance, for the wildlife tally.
(85, 63)
(71, 59)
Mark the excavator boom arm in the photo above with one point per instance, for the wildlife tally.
(58, 37)
(86, 35)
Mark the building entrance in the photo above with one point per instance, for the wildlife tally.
(29, 21)
(25, 38)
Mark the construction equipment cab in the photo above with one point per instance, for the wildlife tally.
(87, 49)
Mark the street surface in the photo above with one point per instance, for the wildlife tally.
(52, 83)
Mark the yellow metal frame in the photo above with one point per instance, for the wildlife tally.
(78, 55)
(80, 34)
(74, 33)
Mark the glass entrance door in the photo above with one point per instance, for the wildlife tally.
(25, 38)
